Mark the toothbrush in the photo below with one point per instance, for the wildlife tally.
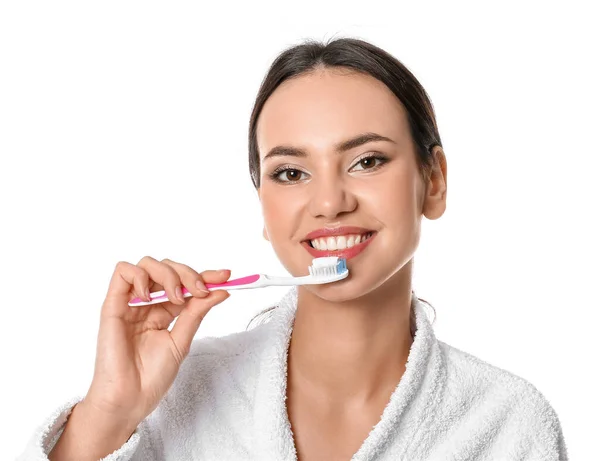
(323, 270)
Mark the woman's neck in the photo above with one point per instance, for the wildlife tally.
(351, 353)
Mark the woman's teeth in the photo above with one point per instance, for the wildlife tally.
(340, 242)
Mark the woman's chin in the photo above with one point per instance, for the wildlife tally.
(342, 290)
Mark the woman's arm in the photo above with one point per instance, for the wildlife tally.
(88, 435)
(72, 433)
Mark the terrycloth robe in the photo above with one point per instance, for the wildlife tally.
(228, 403)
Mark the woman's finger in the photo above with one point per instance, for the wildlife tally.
(190, 318)
(164, 275)
(191, 279)
(125, 277)
(211, 276)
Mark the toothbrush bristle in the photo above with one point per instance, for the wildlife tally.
(330, 265)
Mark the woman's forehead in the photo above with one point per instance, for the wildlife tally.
(324, 108)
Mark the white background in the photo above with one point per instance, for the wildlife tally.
(123, 133)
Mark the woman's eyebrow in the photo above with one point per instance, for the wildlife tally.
(282, 151)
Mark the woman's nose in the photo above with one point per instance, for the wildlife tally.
(329, 198)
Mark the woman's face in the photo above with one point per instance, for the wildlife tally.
(329, 187)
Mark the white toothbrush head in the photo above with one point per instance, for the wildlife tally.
(327, 269)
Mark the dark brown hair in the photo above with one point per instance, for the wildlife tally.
(359, 56)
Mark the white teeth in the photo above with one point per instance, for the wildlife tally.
(331, 243)
(340, 242)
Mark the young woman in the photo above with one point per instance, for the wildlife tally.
(346, 158)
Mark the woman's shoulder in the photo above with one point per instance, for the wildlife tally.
(212, 395)
(489, 393)
(231, 345)
(220, 364)
(468, 371)
(237, 353)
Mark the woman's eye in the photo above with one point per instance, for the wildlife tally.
(287, 175)
(369, 163)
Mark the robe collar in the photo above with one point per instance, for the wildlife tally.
(413, 397)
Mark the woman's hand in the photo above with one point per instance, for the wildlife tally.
(137, 357)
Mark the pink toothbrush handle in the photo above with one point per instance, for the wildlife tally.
(234, 282)
(159, 296)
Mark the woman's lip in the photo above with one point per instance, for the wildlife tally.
(348, 253)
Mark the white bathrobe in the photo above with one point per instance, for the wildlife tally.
(228, 403)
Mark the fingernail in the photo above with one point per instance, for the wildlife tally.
(178, 293)
(201, 286)
(147, 293)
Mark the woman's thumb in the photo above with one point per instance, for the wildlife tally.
(191, 317)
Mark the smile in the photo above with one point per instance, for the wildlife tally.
(342, 246)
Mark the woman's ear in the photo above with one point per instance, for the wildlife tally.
(434, 203)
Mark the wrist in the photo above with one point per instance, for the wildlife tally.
(109, 424)
(90, 434)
